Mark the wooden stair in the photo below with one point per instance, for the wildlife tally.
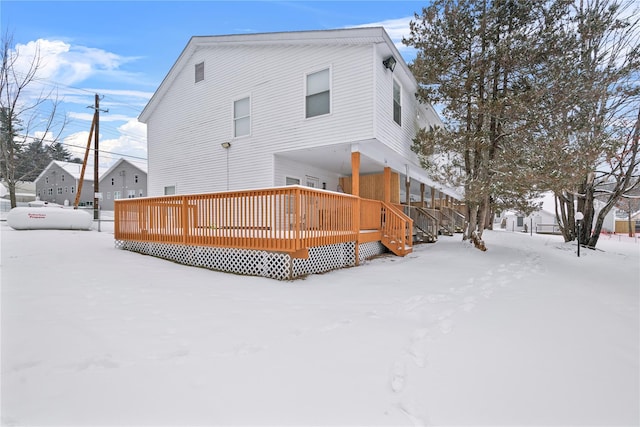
(396, 246)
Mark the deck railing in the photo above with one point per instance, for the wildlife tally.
(283, 219)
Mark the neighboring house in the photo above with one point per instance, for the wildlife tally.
(59, 183)
(25, 191)
(123, 180)
(622, 224)
(540, 221)
(261, 110)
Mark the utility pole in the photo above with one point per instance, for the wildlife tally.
(96, 163)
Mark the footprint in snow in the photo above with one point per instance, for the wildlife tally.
(409, 409)
(469, 304)
(336, 325)
(398, 374)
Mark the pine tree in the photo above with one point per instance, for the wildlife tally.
(474, 58)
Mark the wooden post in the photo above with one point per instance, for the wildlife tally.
(433, 198)
(355, 173)
(387, 184)
(407, 190)
(422, 194)
(355, 190)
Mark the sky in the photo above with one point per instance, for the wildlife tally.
(121, 50)
(524, 334)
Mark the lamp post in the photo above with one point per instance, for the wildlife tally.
(579, 218)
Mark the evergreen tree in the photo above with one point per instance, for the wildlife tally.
(474, 57)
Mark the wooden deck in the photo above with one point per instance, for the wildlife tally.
(288, 219)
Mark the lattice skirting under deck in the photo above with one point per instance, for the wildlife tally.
(275, 265)
(370, 249)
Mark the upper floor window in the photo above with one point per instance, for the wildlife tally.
(113, 181)
(62, 178)
(397, 103)
(318, 99)
(199, 72)
(135, 178)
(46, 180)
(241, 117)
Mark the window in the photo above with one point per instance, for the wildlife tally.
(140, 193)
(199, 72)
(131, 194)
(312, 181)
(135, 178)
(318, 100)
(116, 195)
(73, 189)
(241, 117)
(59, 190)
(397, 103)
(520, 221)
(113, 181)
(50, 191)
(66, 189)
(46, 180)
(170, 190)
(292, 181)
(62, 178)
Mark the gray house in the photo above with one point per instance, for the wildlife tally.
(123, 180)
(59, 182)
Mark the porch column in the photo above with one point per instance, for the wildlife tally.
(355, 173)
(433, 198)
(407, 190)
(387, 184)
(355, 190)
(422, 194)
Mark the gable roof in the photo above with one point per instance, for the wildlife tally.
(118, 163)
(73, 169)
(347, 36)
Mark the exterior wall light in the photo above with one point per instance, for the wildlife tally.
(390, 63)
(226, 144)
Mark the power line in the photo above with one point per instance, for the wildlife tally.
(81, 147)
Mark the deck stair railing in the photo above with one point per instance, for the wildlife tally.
(425, 222)
(397, 230)
(457, 220)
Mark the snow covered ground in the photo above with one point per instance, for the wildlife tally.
(526, 333)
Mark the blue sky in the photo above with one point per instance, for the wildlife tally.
(123, 49)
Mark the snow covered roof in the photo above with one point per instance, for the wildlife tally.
(118, 163)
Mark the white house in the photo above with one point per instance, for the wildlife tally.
(262, 110)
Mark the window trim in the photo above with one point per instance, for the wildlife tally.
(199, 76)
(234, 118)
(393, 100)
(328, 68)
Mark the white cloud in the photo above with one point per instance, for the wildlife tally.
(132, 141)
(65, 63)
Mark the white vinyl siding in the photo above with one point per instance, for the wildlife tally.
(194, 120)
(318, 99)
(242, 117)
